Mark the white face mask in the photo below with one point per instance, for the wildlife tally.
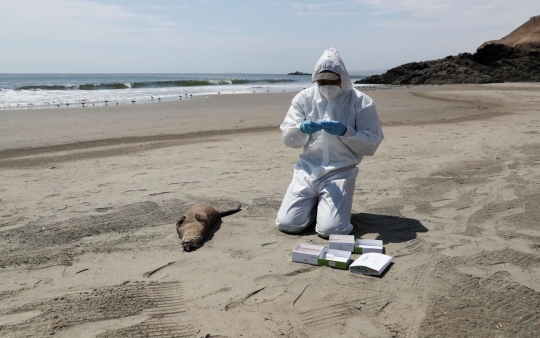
(330, 92)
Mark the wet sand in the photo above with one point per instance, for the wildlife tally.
(89, 197)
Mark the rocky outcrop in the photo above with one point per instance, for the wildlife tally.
(515, 58)
(299, 73)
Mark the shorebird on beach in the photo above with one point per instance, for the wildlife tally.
(106, 102)
(82, 104)
(67, 104)
(159, 98)
(133, 101)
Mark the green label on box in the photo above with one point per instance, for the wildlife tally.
(333, 264)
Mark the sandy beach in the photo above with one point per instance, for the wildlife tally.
(89, 198)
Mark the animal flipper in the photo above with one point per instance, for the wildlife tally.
(230, 212)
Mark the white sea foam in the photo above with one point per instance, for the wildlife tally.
(38, 98)
(95, 89)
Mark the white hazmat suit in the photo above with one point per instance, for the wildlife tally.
(324, 177)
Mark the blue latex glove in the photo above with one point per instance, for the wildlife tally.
(310, 127)
(333, 127)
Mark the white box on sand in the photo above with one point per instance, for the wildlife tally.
(370, 264)
(341, 242)
(368, 245)
(307, 253)
(338, 259)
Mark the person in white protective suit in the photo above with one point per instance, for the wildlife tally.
(337, 126)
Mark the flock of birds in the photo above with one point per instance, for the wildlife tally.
(363, 88)
(382, 87)
(134, 101)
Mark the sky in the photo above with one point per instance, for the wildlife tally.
(243, 36)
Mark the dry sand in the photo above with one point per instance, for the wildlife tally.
(89, 197)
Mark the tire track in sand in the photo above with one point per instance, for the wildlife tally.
(167, 319)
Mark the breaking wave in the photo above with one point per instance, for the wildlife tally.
(150, 84)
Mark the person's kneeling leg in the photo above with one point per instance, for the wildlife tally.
(335, 204)
(296, 212)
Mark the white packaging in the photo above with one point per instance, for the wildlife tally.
(341, 242)
(370, 264)
(307, 253)
(338, 259)
(368, 245)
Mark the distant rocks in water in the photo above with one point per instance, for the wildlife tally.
(514, 58)
(299, 73)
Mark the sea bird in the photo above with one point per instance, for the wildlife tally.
(132, 101)
(106, 102)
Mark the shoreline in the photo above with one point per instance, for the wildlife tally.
(46, 127)
(54, 126)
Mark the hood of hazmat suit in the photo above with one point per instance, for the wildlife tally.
(331, 61)
(323, 152)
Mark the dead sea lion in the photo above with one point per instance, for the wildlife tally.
(193, 227)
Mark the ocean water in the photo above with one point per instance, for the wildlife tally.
(20, 91)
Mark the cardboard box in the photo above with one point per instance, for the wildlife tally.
(368, 245)
(307, 253)
(338, 259)
(341, 242)
(318, 255)
(370, 264)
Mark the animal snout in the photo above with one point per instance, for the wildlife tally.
(187, 245)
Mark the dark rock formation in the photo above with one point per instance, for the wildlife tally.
(514, 58)
(299, 73)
